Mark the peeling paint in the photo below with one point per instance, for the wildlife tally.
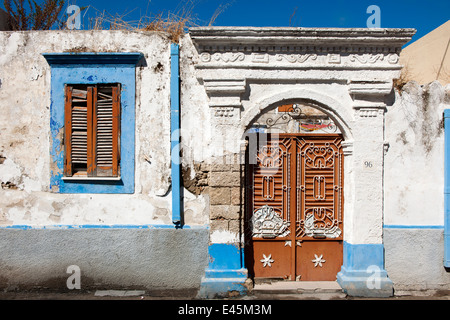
(32, 142)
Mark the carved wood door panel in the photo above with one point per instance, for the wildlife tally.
(295, 207)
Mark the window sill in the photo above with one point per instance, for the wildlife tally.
(91, 179)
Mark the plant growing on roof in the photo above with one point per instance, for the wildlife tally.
(29, 15)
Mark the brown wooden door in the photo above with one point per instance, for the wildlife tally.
(295, 211)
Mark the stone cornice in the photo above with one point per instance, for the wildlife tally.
(299, 48)
(308, 40)
(228, 57)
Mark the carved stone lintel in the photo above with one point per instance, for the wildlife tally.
(334, 58)
(299, 58)
(225, 97)
(319, 57)
(366, 58)
(370, 111)
(224, 112)
(369, 88)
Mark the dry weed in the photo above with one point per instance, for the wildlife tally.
(404, 78)
(172, 24)
(32, 16)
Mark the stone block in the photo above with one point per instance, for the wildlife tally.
(225, 179)
(225, 212)
(220, 196)
(220, 167)
(236, 196)
(218, 225)
(236, 226)
(236, 167)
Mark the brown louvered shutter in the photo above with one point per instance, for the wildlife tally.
(106, 127)
(92, 128)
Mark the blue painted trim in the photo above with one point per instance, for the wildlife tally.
(94, 71)
(225, 271)
(360, 256)
(84, 58)
(364, 263)
(118, 226)
(225, 256)
(447, 189)
(175, 135)
(396, 226)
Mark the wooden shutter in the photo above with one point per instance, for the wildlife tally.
(107, 123)
(68, 132)
(92, 128)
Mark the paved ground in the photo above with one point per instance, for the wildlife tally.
(284, 290)
(330, 290)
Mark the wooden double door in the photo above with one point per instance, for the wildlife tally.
(294, 220)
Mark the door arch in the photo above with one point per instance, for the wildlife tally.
(337, 111)
(294, 193)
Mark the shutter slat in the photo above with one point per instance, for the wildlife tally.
(78, 93)
(91, 128)
(105, 139)
(79, 129)
(79, 126)
(68, 131)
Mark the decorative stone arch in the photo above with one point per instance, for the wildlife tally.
(347, 74)
(328, 105)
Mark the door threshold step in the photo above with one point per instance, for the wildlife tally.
(295, 287)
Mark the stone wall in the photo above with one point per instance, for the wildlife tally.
(226, 200)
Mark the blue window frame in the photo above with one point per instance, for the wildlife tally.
(92, 69)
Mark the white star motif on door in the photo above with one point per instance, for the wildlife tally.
(267, 261)
(318, 260)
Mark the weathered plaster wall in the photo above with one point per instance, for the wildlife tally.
(25, 123)
(414, 162)
(117, 240)
(414, 188)
(414, 258)
(156, 260)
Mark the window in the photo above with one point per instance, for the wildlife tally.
(92, 122)
(92, 130)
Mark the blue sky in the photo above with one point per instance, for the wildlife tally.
(419, 14)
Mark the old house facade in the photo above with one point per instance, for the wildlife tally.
(239, 153)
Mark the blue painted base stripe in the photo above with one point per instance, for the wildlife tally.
(118, 226)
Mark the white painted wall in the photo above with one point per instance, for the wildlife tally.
(409, 172)
(414, 163)
(25, 125)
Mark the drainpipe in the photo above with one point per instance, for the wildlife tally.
(447, 189)
(175, 134)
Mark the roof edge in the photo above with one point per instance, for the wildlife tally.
(299, 35)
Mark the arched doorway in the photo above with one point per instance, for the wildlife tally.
(294, 193)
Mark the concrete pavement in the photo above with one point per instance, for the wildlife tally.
(276, 290)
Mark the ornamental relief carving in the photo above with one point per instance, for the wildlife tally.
(331, 59)
(267, 223)
(366, 58)
(225, 57)
(293, 58)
